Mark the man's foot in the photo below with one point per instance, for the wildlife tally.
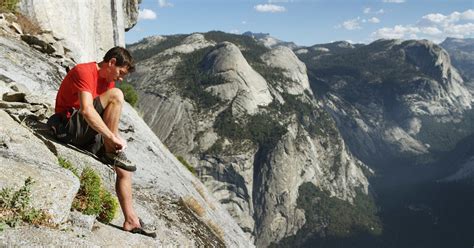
(118, 159)
(140, 229)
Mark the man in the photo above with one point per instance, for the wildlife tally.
(92, 107)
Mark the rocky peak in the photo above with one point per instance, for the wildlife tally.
(461, 52)
(244, 86)
(190, 44)
(296, 77)
(267, 40)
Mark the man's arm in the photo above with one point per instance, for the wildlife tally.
(95, 120)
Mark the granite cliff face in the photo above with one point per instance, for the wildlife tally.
(385, 93)
(461, 52)
(244, 116)
(29, 80)
(86, 28)
(404, 108)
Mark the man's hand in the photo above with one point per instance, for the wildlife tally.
(117, 142)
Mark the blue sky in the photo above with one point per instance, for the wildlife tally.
(309, 22)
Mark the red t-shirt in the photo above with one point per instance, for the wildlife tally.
(83, 77)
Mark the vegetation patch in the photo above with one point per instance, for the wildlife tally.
(8, 5)
(191, 80)
(92, 198)
(332, 222)
(186, 164)
(149, 51)
(15, 207)
(261, 129)
(193, 204)
(129, 93)
(216, 229)
(250, 48)
(68, 165)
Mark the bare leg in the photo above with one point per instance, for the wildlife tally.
(112, 101)
(123, 186)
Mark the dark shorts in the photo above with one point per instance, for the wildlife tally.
(82, 134)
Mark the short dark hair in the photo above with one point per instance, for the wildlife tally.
(122, 56)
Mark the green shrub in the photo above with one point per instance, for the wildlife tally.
(216, 148)
(330, 218)
(129, 93)
(67, 165)
(15, 207)
(93, 199)
(190, 79)
(186, 164)
(8, 5)
(109, 207)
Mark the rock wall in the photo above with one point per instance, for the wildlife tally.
(88, 28)
(29, 81)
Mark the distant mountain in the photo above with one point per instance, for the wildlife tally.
(278, 135)
(244, 116)
(386, 94)
(270, 41)
(462, 55)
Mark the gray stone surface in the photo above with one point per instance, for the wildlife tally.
(260, 195)
(160, 181)
(244, 86)
(101, 24)
(23, 155)
(82, 221)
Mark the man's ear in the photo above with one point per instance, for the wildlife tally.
(112, 61)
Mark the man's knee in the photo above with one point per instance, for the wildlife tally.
(115, 95)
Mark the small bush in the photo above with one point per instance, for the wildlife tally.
(129, 93)
(8, 5)
(14, 207)
(109, 207)
(186, 164)
(93, 199)
(216, 229)
(192, 204)
(27, 25)
(67, 165)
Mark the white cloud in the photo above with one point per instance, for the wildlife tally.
(397, 32)
(468, 15)
(393, 1)
(434, 26)
(444, 20)
(234, 31)
(431, 31)
(370, 11)
(244, 22)
(379, 12)
(374, 20)
(269, 8)
(146, 14)
(164, 3)
(351, 24)
(460, 30)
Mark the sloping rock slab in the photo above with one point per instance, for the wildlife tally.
(53, 190)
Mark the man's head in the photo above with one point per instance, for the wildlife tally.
(118, 62)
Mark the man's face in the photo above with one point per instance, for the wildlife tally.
(116, 73)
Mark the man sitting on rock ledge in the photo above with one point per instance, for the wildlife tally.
(91, 107)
